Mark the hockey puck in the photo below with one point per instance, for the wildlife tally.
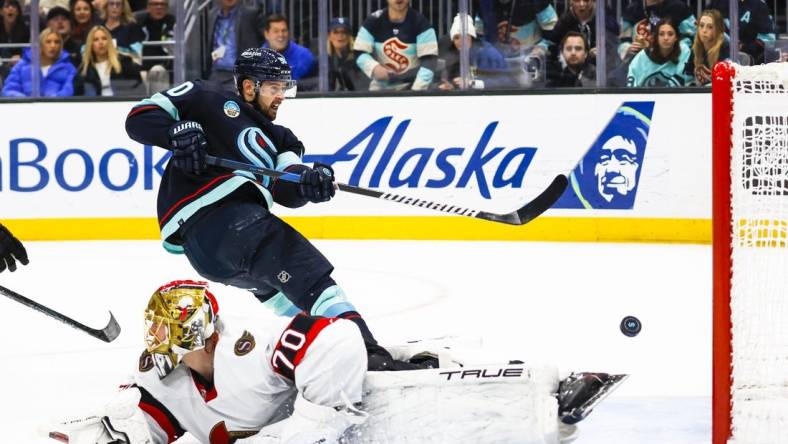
(630, 326)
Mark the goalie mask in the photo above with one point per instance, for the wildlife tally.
(180, 316)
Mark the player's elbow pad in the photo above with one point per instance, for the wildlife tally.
(287, 193)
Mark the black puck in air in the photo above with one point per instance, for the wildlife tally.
(630, 326)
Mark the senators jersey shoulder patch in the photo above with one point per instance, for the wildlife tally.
(146, 362)
(244, 344)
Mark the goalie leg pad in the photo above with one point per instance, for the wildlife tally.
(505, 403)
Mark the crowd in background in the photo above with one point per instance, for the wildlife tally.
(124, 47)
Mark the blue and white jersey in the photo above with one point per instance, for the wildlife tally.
(404, 49)
(643, 71)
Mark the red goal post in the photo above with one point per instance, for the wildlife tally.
(750, 253)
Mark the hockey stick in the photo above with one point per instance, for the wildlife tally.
(106, 334)
(521, 216)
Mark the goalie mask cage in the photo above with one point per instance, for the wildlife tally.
(750, 253)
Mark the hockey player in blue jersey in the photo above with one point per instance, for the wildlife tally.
(221, 219)
(397, 48)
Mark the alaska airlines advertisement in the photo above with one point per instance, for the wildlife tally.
(633, 156)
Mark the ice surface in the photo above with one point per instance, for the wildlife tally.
(546, 302)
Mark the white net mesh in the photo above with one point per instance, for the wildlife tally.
(759, 286)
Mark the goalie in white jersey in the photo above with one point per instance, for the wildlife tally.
(224, 384)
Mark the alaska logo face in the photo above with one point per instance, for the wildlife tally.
(145, 362)
(397, 61)
(609, 174)
(244, 344)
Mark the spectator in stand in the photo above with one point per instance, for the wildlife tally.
(59, 20)
(581, 17)
(125, 31)
(397, 48)
(576, 70)
(13, 30)
(756, 28)
(277, 37)
(664, 62)
(57, 72)
(709, 47)
(84, 20)
(98, 5)
(158, 25)
(343, 73)
(233, 29)
(488, 63)
(517, 27)
(103, 67)
(639, 19)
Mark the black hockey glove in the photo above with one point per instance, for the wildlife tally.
(317, 183)
(189, 147)
(11, 250)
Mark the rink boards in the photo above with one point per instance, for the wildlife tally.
(69, 171)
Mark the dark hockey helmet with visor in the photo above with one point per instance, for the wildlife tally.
(261, 65)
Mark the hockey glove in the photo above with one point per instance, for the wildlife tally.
(189, 146)
(317, 183)
(11, 250)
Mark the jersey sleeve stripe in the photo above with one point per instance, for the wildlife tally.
(367, 64)
(310, 338)
(192, 196)
(330, 302)
(163, 417)
(423, 78)
(281, 306)
(171, 223)
(141, 109)
(427, 43)
(289, 355)
(164, 103)
(287, 159)
(364, 41)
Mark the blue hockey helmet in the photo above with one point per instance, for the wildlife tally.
(264, 64)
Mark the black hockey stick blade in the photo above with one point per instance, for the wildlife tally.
(580, 412)
(534, 208)
(106, 334)
(522, 216)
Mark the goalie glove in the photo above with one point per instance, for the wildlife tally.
(121, 421)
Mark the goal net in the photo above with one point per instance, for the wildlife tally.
(750, 214)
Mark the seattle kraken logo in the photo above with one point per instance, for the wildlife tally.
(257, 148)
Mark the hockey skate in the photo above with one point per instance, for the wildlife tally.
(579, 393)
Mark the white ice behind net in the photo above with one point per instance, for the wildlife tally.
(759, 286)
